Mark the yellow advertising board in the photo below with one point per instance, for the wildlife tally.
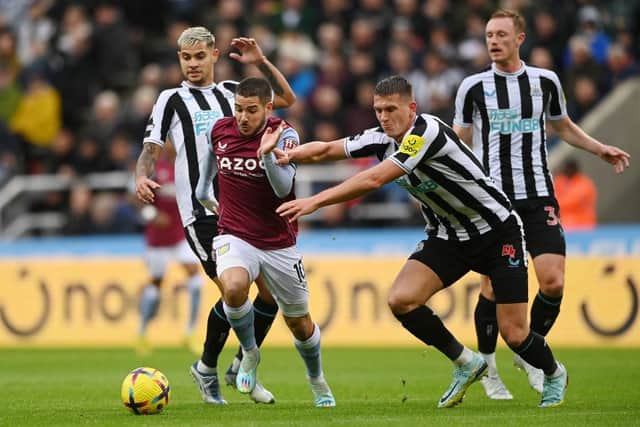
(93, 302)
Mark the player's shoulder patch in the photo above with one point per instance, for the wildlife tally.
(412, 144)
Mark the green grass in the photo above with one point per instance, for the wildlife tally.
(373, 387)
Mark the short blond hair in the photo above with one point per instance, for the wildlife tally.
(519, 22)
(194, 35)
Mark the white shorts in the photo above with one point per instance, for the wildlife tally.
(158, 257)
(281, 269)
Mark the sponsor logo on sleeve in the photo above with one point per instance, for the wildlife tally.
(289, 143)
(411, 145)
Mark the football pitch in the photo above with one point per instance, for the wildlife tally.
(373, 387)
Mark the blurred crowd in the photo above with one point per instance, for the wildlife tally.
(78, 79)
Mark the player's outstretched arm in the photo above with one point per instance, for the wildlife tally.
(145, 167)
(204, 188)
(574, 135)
(356, 186)
(312, 152)
(251, 53)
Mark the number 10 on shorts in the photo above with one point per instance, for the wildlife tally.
(300, 271)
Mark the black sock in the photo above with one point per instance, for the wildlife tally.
(264, 315)
(535, 351)
(217, 333)
(544, 311)
(425, 325)
(486, 325)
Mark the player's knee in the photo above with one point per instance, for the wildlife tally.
(400, 303)
(300, 327)
(552, 285)
(156, 282)
(513, 333)
(236, 291)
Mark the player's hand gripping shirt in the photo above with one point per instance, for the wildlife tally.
(458, 199)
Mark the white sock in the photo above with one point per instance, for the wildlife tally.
(204, 369)
(309, 350)
(241, 320)
(465, 357)
(491, 361)
(194, 285)
(559, 370)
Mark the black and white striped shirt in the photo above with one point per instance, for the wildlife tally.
(185, 115)
(459, 200)
(508, 111)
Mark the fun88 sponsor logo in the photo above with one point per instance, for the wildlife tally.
(507, 121)
(204, 120)
(247, 165)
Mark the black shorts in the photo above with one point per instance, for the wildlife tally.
(200, 236)
(498, 254)
(542, 229)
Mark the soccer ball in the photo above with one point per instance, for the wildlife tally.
(145, 391)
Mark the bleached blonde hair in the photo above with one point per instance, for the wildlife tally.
(194, 35)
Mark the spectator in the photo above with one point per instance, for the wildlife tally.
(10, 94)
(585, 97)
(541, 57)
(590, 27)
(37, 119)
(547, 35)
(296, 16)
(8, 56)
(61, 160)
(621, 64)
(34, 32)
(114, 52)
(105, 118)
(583, 64)
(78, 216)
(74, 73)
(360, 115)
(330, 38)
(297, 54)
(577, 197)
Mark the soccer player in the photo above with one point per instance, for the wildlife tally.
(164, 241)
(470, 224)
(501, 112)
(184, 115)
(254, 240)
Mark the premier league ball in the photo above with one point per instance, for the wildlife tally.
(145, 391)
